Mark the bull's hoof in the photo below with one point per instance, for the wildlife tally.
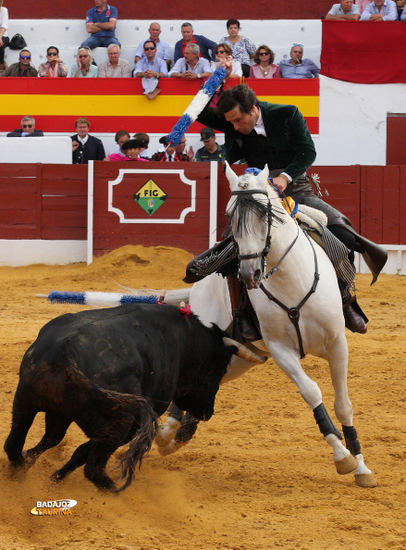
(171, 447)
(365, 480)
(166, 432)
(346, 465)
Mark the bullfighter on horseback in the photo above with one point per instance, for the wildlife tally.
(277, 135)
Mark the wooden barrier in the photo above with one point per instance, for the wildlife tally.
(39, 201)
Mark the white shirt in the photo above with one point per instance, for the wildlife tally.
(4, 18)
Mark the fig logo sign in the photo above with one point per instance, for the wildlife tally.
(61, 507)
(150, 197)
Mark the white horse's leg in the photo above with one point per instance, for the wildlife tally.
(287, 359)
(338, 360)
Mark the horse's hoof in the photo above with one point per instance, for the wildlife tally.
(346, 465)
(170, 448)
(365, 480)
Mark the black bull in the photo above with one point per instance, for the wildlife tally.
(114, 372)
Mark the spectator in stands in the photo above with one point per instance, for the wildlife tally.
(54, 66)
(346, 10)
(84, 68)
(403, 14)
(296, 66)
(23, 67)
(170, 154)
(120, 138)
(144, 139)
(189, 38)
(362, 4)
(27, 129)
(400, 4)
(210, 150)
(191, 66)
(4, 41)
(243, 48)
(131, 151)
(222, 51)
(180, 148)
(84, 146)
(163, 50)
(264, 64)
(150, 69)
(114, 66)
(101, 25)
(380, 10)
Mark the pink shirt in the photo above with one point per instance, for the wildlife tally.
(118, 157)
(362, 4)
(257, 72)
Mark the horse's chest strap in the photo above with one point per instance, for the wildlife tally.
(294, 312)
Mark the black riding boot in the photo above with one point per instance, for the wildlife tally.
(355, 319)
(245, 322)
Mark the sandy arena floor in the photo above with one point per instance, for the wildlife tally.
(258, 476)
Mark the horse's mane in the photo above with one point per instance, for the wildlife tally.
(244, 205)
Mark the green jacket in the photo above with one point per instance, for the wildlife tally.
(288, 145)
(14, 69)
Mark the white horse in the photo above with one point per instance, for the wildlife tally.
(293, 288)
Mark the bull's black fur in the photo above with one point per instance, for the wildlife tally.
(114, 372)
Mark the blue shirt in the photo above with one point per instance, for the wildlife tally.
(389, 9)
(338, 10)
(158, 65)
(94, 16)
(305, 69)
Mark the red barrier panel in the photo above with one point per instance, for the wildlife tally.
(171, 205)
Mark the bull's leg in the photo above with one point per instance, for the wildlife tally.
(166, 432)
(78, 458)
(55, 430)
(22, 422)
(95, 468)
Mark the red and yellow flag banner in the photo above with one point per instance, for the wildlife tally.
(112, 104)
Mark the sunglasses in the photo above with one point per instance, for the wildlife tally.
(25, 57)
(148, 49)
(52, 54)
(220, 51)
(296, 44)
(263, 53)
(83, 56)
(27, 125)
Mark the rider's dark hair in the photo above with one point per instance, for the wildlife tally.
(240, 96)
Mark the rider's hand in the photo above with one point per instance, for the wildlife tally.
(280, 183)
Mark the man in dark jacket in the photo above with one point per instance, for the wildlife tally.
(189, 38)
(84, 146)
(277, 135)
(27, 129)
(23, 66)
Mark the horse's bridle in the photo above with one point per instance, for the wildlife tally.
(264, 252)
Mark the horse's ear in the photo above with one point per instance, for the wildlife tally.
(264, 174)
(231, 176)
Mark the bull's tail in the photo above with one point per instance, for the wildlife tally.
(141, 442)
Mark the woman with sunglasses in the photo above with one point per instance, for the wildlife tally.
(296, 66)
(53, 66)
(222, 52)
(242, 47)
(83, 68)
(264, 64)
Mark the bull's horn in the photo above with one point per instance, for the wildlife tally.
(244, 352)
(231, 176)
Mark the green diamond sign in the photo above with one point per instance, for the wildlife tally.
(150, 197)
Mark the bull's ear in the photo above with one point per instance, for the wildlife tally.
(231, 176)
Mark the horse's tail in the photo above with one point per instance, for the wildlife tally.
(141, 443)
